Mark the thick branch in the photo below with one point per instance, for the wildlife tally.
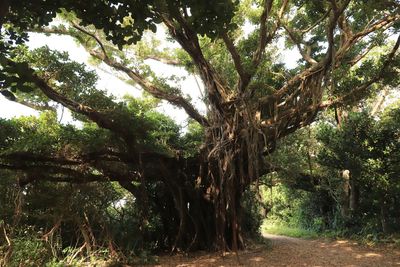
(101, 155)
(176, 100)
(314, 69)
(216, 90)
(168, 61)
(99, 118)
(27, 156)
(376, 26)
(298, 111)
(336, 12)
(362, 55)
(266, 37)
(263, 31)
(39, 171)
(155, 91)
(80, 168)
(353, 38)
(32, 105)
(295, 111)
(244, 77)
(78, 179)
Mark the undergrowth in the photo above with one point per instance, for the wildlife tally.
(281, 229)
(371, 239)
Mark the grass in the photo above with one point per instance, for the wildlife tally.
(279, 229)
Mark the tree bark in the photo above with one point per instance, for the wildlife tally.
(384, 213)
(345, 196)
(354, 194)
(4, 9)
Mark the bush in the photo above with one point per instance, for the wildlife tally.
(251, 217)
(29, 251)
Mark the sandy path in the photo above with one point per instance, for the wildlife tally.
(287, 251)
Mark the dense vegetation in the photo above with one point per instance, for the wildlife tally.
(127, 179)
(351, 185)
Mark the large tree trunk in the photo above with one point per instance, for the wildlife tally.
(234, 162)
(201, 203)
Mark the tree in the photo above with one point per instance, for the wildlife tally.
(368, 148)
(252, 98)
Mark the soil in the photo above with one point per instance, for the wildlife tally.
(287, 251)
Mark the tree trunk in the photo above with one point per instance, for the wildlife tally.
(206, 195)
(345, 195)
(354, 193)
(4, 9)
(384, 213)
(235, 161)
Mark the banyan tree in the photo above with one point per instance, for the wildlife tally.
(235, 49)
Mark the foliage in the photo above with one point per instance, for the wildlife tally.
(29, 251)
(253, 212)
(368, 148)
(55, 218)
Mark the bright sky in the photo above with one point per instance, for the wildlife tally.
(115, 86)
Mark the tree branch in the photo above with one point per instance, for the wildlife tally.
(99, 118)
(244, 77)
(365, 85)
(168, 61)
(265, 38)
(353, 38)
(305, 54)
(23, 156)
(316, 23)
(40, 171)
(376, 26)
(153, 90)
(79, 28)
(32, 105)
(176, 100)
(4, 9)
(360, 56)
(57, 168)
(80, 168)
(216, 90)
(336, 12)
(263, 31)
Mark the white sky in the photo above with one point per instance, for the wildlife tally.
(114, 85)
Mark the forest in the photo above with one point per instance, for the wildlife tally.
(298, 127)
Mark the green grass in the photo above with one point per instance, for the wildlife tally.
(279, 229)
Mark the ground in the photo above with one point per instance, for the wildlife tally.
(287, 251)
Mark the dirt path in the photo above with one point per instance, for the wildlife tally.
(287, 251)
